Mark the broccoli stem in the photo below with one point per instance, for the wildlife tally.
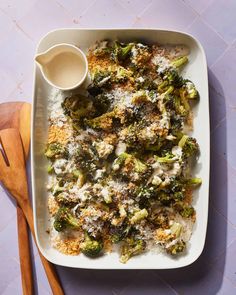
(184, 100)
(180, 61)
(168, 159)
(183, 141)
(194, 181)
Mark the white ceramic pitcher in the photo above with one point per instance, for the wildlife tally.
(63, 66)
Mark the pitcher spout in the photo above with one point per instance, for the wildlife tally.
(42, 59)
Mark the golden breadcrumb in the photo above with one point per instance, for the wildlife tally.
(59, 134)
(188, 195)
(68, 246)
(162, 235)
(107, 245)
(99, 62)
(110, 138)
(52, 205)
(143, 59)
(189, 121)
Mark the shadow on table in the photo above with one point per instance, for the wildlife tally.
(196, 278)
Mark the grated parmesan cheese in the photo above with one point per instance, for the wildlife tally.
(162, 63)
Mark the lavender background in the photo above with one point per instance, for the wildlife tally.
(213, 22)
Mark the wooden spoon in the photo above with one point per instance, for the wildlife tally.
(17, 115)
(22, 110)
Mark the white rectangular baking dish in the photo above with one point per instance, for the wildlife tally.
(196, 70)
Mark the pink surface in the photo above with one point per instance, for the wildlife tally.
(213, 22)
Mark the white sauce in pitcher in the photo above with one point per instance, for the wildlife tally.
(65, 69)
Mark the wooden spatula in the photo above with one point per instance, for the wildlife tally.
(13, 176)
(17, 115)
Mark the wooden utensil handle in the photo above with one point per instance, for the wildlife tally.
(17, 115)
(48, 267)
(24, 254)
(13, 177)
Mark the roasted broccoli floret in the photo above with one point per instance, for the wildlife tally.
(144, 203)
(187, 212)
(180, 61)
(172, 192)
(186, 93)
(178, 196)
(73, 176)
(91, 247)
(121, 51)
(176, 125)
(146, 83)
(55, 150)
(176, 248)
(119, 233)
(77, 106)
(181, 107)
(183, 209)
(190, 90)
(173, 78)
(139, 167)
(131, 167)
(189, 146)
(65, 219)
(144, 96)
(164, 198)
(131, 136)
(102, 103)
(104, 122)
(88, 161)
(176, 184)
(174, 103)
(159, 218)
(94, 89)
(122, 74)
(146, 192)
(131, 248)
(115, 118)
(63, 200)
(101, 78)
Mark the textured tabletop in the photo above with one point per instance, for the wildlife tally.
(213, 22)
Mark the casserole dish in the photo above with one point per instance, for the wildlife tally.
(196, 70)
